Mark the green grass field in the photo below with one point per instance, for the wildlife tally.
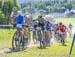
(66, 20)
(52, 51)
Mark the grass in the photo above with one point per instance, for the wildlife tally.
(48, 52)
(5, 38)
(55, 48)
(66, 20)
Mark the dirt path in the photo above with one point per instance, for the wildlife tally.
(9, 50)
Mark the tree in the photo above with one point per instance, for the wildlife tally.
(69, 6)
(2, 18)
(0, 4)
(7, 9)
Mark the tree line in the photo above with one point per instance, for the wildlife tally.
(47, 6)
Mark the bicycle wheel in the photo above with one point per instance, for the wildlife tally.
(57, 37)
(16, 40)
(35, 37)
(47, 38)
(26, 38)
(42, 39)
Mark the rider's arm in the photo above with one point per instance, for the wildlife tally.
(12, 18)
(66, 28)
(57, 28)
(26, 19)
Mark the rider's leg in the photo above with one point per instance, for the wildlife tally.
(23, 33)
(70, 33)
(63, 38)
(43, 38)
(49, 37)
(34, 36)
(46, 37)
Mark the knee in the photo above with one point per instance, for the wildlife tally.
(22, 33)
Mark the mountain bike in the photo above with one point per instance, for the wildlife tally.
(17, 41)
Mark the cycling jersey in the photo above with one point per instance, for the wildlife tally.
(47, 25)
(62, 28)
(19, 21)
(41, 23)
(35, 24)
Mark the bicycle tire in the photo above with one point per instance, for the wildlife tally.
(15, 40)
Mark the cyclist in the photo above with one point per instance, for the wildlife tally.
(41, 24)
(35, 25)
(48, 33)
(61, 30)
(70, 29)
(70, 26)
(20, 21)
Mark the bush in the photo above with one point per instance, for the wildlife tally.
(2, 18)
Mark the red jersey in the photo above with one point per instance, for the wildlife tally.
(62, 28)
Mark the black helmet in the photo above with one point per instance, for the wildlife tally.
(40, 16)
(60, 23)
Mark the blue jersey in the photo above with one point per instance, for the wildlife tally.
(19, 19)
(47, 26)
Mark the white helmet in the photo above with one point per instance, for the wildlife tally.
(49, 18)
(20, 13)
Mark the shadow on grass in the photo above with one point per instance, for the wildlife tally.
(65, 45)
(41, 48)
(14, 50)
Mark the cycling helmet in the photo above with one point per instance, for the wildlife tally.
(20, 13)
(60, 23)
(40, 16)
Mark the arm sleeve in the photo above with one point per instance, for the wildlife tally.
(24, 20)
(12, 14)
